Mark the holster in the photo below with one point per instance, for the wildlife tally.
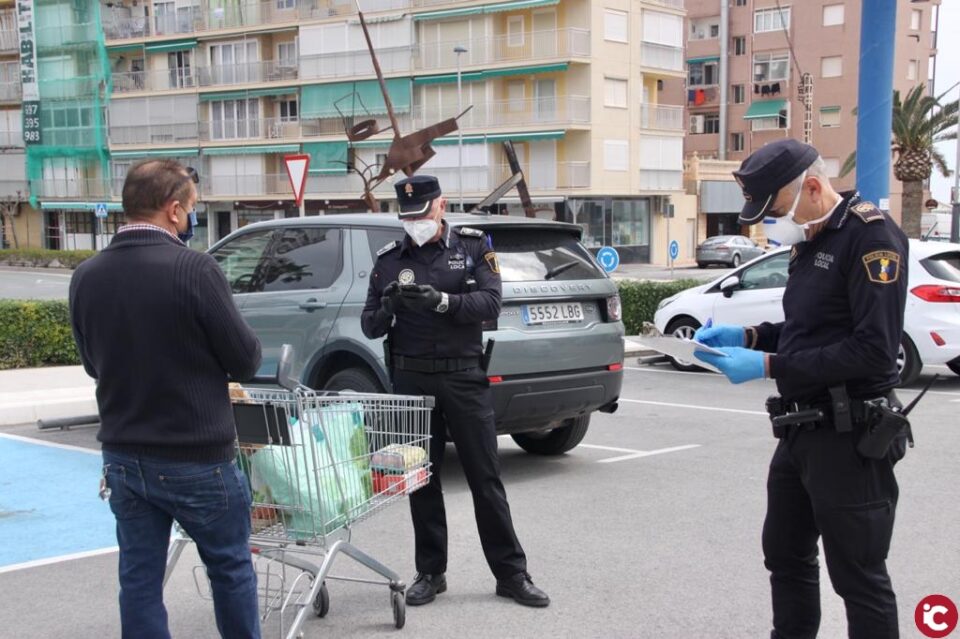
(882, 426)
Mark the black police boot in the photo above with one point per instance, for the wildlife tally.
(521, 588)
(425, 588)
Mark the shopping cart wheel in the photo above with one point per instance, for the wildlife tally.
(321, 603)
(399, 609)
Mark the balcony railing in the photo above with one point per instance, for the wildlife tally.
(75, 35)
(70, 188)
(11, 138)
(353, 63)
(483, 115)
(659, 56)
(659, 116)
(10, 91)
(246, 185)
(676, 4)
(155, 134)
(250, 129)
(8, 41)
(536, 45)
(247, 73)
(155, 80)
(660, 180)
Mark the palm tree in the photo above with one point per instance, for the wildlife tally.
(919, 123)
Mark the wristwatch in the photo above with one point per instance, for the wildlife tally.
(444, 304)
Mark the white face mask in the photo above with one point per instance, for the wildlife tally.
(785, 230)
(421, 231)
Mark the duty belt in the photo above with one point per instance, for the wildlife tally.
(841, 413)
(441, 365)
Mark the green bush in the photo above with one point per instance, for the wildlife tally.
(36, 333)
(639, 300)
(43, 257)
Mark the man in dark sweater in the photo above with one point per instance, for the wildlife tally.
(156, 326)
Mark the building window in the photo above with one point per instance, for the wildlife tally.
(739, 94)
(615, 93)
(705, 28)
(736, 142)
(781, 121)
(289, 111)
(829, 116)
(515, 31)
(711, 123)
(740, 3)
(702, 74)
(833, 15)
(912, 66)
(771, 19)
(831, 67)
(739, 45)
(286, 4)
(916, 19)
(614, 25)
(768, 67)
(516, 93)
(832, 167)
(179, 64)
(287, 54)
(235, 119)
(616, 155)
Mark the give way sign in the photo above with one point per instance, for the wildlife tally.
(297, 166)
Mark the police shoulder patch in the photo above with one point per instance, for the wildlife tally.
(469, 232)
(883, 267)
(492, 262)
(389, 246)
(867, 212)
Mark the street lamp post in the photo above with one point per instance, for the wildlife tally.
(458, 50)
(955, 213)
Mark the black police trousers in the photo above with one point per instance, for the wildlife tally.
(820, 486)
(464, 408)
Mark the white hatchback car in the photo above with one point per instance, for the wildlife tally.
(754, 292)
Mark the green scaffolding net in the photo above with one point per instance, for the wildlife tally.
(68, 157)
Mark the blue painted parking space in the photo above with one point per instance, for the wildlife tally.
(48, 502)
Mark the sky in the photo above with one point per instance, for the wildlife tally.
(948, 72)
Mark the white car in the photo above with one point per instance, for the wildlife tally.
(754, 292)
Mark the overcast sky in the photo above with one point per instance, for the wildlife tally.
(948, 72)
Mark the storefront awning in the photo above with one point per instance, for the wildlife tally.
(480, 76)
(253, 150)
(327, 158)
(241, 95)
(156, 153)
(700, 60)
(519, 5)
(125, 48)
(354, 98)
(171, 45)
(47, 205)
(765, 109)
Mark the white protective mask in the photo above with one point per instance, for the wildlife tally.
(785, 231)
(421, 231)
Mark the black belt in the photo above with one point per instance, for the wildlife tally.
(812, 415)
(441, 365)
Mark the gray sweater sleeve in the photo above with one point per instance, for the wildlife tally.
(232, 339)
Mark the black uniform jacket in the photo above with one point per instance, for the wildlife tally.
(843, 308)
(461, 263)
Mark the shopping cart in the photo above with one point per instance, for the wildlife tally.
(317, 464)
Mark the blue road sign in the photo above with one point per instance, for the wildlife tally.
(674, 250)
(101, 210)
(609, 258)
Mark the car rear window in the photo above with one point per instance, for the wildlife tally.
(535, 255)
(715, 241)
(945, 266)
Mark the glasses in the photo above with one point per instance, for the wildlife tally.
(192, 174)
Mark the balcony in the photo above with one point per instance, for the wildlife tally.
(9, 43)
(69, 188)
(661, 180)
(674, 4)
(11, 139)
(155, 134)
(539, 45)
(156, 80)
(10, 91)
(510, 113)
(274, 184)
(68, 35)
(659, 116)
(251, 129)
(659, 56)
(356, 63)
(247, 73)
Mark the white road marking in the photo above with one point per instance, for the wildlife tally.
(41, 442)
(611, 448)
(646, 453)
(56, 560)
(696, 407)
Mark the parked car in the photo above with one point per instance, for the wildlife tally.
(303, 281)
(730, 250)
(754, 292)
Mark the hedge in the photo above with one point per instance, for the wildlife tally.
(639, 300)
(36, 333)
(43, 257)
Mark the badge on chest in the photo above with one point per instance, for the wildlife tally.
(456, 262)
(406, 276)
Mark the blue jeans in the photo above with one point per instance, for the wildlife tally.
(212, 504)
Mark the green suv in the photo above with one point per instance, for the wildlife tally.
(558, 354)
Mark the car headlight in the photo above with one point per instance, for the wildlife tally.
(667, 301)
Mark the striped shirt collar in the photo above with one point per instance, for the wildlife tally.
(144, 226)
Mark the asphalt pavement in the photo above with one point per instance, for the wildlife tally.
(649, 529)
(38, 284)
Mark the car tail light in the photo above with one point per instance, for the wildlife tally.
(614, 310)
(615, 367)
(937, 339)
(937, 293)
(495, 379)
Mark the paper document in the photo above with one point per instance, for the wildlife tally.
(681, 349)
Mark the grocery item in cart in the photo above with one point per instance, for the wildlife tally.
(398, 458)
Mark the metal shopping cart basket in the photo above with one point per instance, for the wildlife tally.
(317, 464)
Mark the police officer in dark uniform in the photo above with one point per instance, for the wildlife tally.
(430, 293)
(834, 361)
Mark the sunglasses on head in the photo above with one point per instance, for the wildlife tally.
(192, 174)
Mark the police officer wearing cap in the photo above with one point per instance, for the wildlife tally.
(834, 361)
(430, 293)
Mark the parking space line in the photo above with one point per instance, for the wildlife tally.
(59, 559)
(611, 448)
(43, 442)
(695, 406)
(646, 453)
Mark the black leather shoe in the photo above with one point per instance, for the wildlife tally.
(425, 588)
(520, 587)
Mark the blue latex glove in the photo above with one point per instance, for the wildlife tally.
(721, 335)
(741, 365)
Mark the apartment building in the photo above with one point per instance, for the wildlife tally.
(232, 86)
(764, 83)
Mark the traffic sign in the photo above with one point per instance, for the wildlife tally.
(297, 166)
(674, 250)
(609, 258)
(101, 210)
